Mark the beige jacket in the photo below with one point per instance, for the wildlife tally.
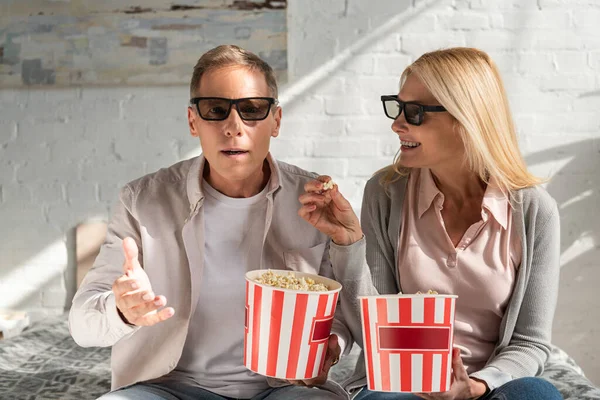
(162, 212)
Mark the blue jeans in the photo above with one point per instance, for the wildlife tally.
(179, 391)
(518, 389)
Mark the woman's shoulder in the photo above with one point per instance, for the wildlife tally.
(377, 187)
(537, 195)
(536, 200)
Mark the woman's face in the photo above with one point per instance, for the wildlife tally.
(433, 144)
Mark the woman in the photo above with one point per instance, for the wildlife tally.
(459, 213)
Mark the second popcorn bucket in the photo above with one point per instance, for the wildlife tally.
(408, 342)
(286, 330)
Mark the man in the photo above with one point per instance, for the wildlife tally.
(186, 235)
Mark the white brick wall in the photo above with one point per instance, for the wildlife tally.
(65, 152)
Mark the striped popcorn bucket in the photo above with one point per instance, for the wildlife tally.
(286, 331)
(408, 342)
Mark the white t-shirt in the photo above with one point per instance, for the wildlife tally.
(213, 352)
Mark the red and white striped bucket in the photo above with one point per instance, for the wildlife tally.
(287, 330)
(408, 342)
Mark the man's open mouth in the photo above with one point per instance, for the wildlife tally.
(234, 152)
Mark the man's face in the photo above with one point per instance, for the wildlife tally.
(235, 149)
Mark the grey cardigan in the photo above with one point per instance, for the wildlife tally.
(524, 339)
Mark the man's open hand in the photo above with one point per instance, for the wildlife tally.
(136, 302)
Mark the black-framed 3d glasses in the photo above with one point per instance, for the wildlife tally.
(413, 112)
(219, 108)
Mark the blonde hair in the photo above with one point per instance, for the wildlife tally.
(467, 83)
(229, 55)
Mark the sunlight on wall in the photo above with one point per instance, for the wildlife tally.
(44, 267)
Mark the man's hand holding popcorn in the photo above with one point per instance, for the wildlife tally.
(324, 207)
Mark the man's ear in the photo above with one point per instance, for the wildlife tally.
(277, 115)
(191, 115)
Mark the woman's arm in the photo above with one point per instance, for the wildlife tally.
(375, 219)
(529, 346)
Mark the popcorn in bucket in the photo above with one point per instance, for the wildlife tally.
(287, 330)
(408, 342)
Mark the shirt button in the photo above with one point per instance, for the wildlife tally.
(173, 365)
(451, 261)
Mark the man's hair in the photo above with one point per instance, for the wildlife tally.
(230, 55)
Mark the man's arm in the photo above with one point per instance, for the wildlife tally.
(93, 318)
(340, 326)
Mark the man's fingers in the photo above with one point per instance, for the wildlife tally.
(305, 211)
(317, 184)
(124, 285)
(137, 298)
(313, 187)
(332, 343)
(141, 309)
(339, 200)
(130, 250)
(332, 355)
(457, 366)
(155, 318)
(333, 352)
(312, 198)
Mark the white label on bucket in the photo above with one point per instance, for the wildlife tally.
(376, 362)
(417, 373)
(437, 371)
(265, 328)
(287, 320)
(440, 302)
(418, 309)
(395, 372)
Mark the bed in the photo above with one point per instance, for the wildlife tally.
(45, 363)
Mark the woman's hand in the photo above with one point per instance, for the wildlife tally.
(330, 212)
(462, 388)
